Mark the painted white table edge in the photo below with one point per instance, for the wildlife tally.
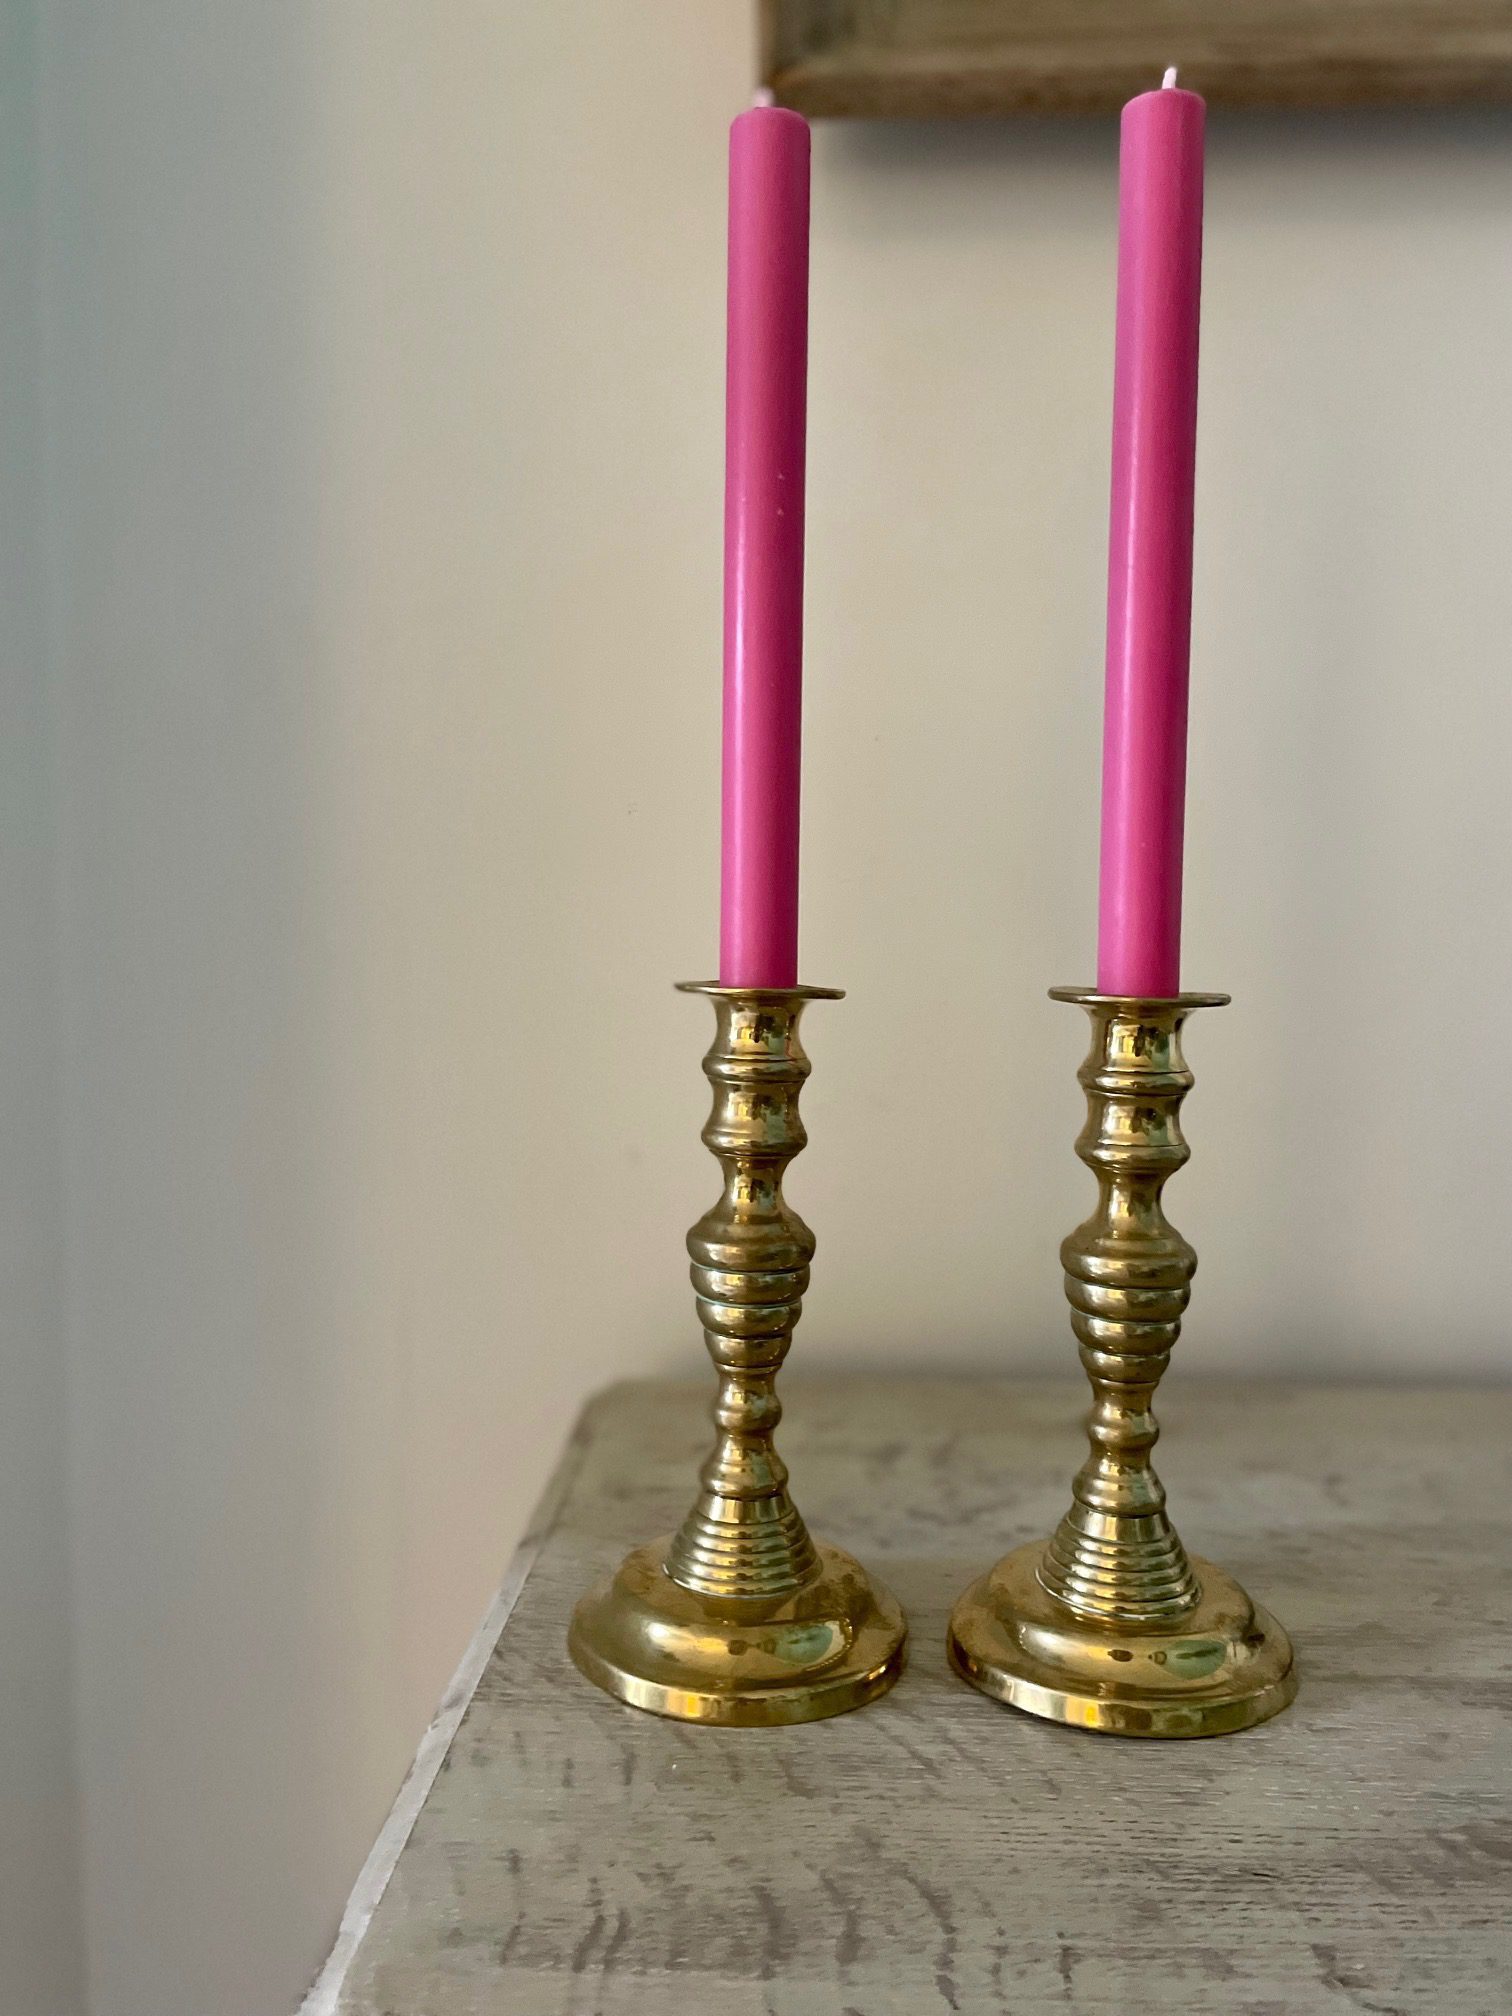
(374, 1877)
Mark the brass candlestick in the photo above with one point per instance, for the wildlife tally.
(1111, 1624)
(739, 1616)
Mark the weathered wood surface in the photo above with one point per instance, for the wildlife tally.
(941, 59)
(938, 1852)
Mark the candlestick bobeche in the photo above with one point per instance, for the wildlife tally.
(1110, 1624)
(740, 1617)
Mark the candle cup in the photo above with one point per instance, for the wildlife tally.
(739, 1617)
(1110, 1624)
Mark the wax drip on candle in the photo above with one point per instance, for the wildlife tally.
(1168, 82)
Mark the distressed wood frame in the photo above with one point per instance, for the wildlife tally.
(936, 59)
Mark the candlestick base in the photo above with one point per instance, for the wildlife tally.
(1225, 1665)
(739, 1616)
(1110, 1624)
(836, 1643)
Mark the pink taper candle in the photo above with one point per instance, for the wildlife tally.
(1150, 543)
(763, 609)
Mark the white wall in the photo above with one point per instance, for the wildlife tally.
(40, 1923)
(383, 405)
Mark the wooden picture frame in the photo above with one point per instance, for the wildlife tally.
(934, 59)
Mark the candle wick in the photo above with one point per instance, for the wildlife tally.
(1168, 82)
(766, 96)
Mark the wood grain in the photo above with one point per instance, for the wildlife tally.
(922, 59)
(935, 1852)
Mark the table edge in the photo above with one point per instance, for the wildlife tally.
(382, 1859)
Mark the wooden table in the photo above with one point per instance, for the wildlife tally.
(556, 1854)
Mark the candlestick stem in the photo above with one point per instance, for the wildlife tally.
(750, 1254)
(1128, 1274)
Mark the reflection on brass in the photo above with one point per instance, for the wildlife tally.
(1110, 1624)
(740, 1617)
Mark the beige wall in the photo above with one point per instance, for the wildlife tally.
(383, 412)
